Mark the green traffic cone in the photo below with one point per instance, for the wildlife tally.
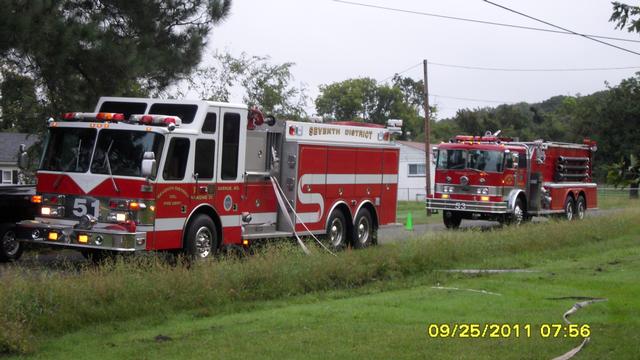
(409, 225)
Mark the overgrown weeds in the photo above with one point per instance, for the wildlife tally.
(36, 303)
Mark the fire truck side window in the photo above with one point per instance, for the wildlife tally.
(522, 161)
(230, 140)
(176, 162)
(209, 126)
(185, 112)
(205, 150)
(452, 159)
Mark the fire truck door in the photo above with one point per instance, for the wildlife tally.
(205, 158)
(230, 168)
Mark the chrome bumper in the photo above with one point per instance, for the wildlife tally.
(501, 207)
(99, 237)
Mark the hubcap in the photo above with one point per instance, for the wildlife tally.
(580, 210)
(9, 243)
(335, 232)
(518, 215)
(203, 242)
(569, 211)
(363, 230)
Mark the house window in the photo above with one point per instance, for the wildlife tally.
(417, 170)
(6, 177)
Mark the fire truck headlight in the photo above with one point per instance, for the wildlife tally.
(117, 217)
(485, 191)
(45, 210)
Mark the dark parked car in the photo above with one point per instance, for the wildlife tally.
(15, 205)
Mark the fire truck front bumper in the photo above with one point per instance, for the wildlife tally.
(494, 207)
(100, 236)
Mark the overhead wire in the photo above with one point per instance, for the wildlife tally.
(485, 22)
(590, 37)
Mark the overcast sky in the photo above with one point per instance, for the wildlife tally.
(330, 41)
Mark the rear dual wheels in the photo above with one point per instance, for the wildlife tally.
(363, 232)
(574, 209)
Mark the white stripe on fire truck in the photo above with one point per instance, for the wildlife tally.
(171, 224)
(337, 179)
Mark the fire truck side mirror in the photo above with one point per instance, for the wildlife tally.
(515, 158)
(148, 164)
(23, 158)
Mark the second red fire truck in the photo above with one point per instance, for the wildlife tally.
(194, 176)
(495, 178)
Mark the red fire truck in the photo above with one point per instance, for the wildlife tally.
(150, 174)
(494, 178)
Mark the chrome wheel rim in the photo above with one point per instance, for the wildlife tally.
(580, 210)
(203, 242)
(518, 215)
(336, 232)
(363, 230)
(10, 245)
(569, 211)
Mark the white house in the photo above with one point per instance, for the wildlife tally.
(411, 171)
(9, 148)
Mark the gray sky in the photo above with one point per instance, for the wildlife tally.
(331, 42)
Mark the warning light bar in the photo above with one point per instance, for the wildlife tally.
(143, 119)
(104, 116)
(151, 119)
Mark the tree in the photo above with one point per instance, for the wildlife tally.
(363, 99)
(626, 16)
(77, 50)
(266, 85)
(626, 173)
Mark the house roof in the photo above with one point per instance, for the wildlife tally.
(10, 145)
(412, 144)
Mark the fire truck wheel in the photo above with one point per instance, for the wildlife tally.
(337, 230)
(581, 208)
(519, 213)
(201, 240)
(10, 248)
(569, 208)
(363, 231)
(451, 219)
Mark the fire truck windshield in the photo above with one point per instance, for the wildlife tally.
(485, 160)
(482, 160)
(68, 149)
(124, 150)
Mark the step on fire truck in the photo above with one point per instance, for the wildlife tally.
(149, 174)
(495, 178)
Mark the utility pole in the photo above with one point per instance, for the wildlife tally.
(427, 133)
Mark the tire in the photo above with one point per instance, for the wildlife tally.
(364, 231)
(336, 237)
(201, 240)
(451, 219)
(581, 208)
(569, 209)
(519, 215)
(10, 248)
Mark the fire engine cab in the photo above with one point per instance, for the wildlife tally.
(495, 178)
(150, 174)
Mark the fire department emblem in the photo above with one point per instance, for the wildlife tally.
(228, 202)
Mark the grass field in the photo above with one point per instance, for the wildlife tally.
(376, 303)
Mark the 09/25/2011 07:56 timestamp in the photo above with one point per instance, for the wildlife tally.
(506, 330)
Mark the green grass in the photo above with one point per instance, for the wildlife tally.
(418, 212)
(617, 200)
(373, 303)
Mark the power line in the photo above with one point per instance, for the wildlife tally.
(534, 69)
(565, 32)
(590, 37)
(502, 69)
(472, 99)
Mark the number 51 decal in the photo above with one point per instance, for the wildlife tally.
(82, 207)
